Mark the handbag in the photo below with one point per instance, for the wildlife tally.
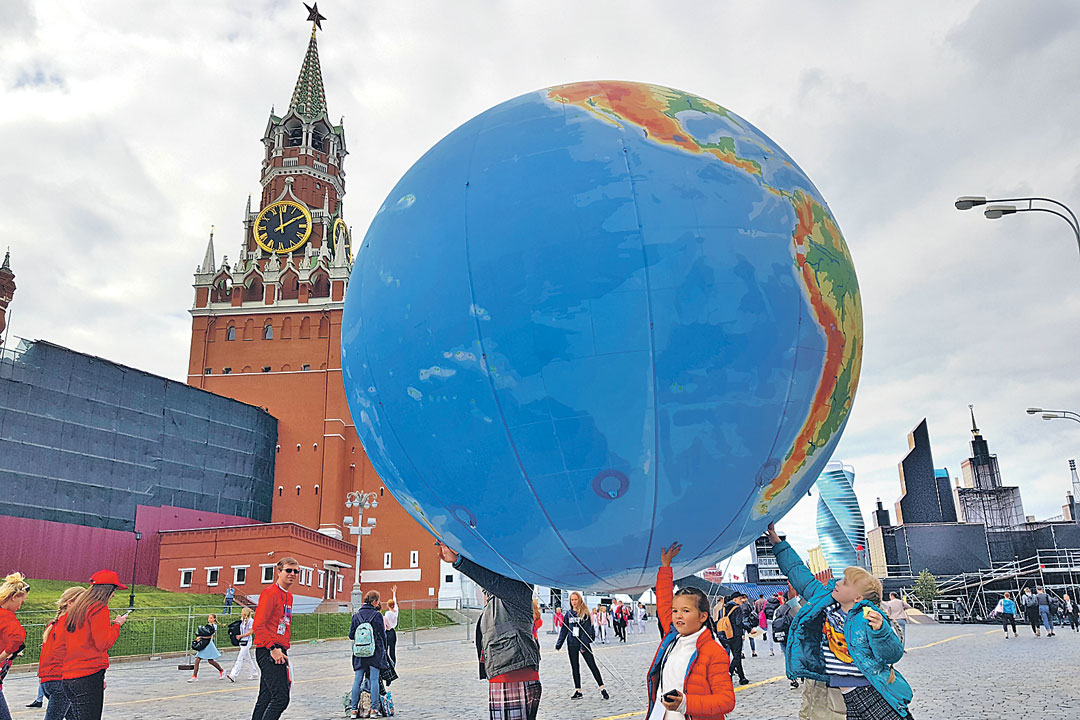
(204, 633)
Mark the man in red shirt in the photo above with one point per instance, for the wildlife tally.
(273, 622)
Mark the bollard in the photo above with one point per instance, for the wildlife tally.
(153, 636)
(414, 646)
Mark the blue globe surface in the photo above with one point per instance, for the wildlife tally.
(596, 319)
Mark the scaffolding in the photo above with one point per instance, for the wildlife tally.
(1058, 571)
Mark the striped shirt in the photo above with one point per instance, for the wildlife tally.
(833, 645)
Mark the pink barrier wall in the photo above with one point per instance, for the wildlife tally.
(59, 551)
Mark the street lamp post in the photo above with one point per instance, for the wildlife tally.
(996, 210)
(1055, 414)
(134, 562)
(361, 501)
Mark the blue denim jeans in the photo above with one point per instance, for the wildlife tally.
(371, 677)
(59, 704)
(1044, 613)
(5, 714)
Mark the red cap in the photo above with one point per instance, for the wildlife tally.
(107, 577)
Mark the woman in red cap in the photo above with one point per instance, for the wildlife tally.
(13, 590)
(89, 635)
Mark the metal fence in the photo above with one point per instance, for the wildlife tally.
(152, 632)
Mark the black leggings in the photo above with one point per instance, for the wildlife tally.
(1033, 617)
(391, 645)
(87, 695)
(587, 653)
(1008, 619)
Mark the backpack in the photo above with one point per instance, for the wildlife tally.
(364, 641)
(234, 633)
(723, 626)
(780, 625)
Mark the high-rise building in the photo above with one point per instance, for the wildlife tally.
(983, 499)
(926, 493)
(840, 526)
(266, 330)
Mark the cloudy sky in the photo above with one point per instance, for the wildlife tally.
(129, 128)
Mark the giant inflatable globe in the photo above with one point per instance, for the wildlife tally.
(594, 320)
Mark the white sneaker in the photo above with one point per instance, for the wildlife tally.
(193, 678)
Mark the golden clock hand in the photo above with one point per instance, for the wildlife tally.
(282, 226)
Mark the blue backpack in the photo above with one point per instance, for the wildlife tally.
(364, 641)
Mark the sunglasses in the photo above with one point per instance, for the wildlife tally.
(291, 571)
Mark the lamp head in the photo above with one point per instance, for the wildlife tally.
(1050, 416)
(1032, 411)
(966, 202)
(993, 212)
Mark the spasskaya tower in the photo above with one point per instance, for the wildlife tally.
(266, 330)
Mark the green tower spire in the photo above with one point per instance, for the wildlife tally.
(309, 98)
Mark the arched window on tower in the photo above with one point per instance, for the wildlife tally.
(286, 329)
(305, 328)
(221, 290)
(294, 130)
(249, 329)
(290, 286)
(318, 138)
(320, 286)
(253, 289)
(324, 327)
(230, 332)
(268, 331)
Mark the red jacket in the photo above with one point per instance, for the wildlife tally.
(88, 645)
(708, 689)
(53, 649)
(12, 634)
(274, 608)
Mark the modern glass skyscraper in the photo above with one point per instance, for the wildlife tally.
(840, 525)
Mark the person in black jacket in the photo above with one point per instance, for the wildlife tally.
(509, 654)
(367, 668)
(736, 612)
(577, 633)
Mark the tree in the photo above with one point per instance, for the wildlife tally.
(925, 588)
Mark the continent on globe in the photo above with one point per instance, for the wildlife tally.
(593, 320)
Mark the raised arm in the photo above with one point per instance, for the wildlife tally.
(665, 585)
(793, 567)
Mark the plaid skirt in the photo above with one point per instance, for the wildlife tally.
(866, 703)
(514, 700)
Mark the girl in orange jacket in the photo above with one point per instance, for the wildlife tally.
(51, 660)
(13, 592)
(688, 678)
(88, 635)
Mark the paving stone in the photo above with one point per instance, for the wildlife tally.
(957, 671)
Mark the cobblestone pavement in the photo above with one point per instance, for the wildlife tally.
(959, 672)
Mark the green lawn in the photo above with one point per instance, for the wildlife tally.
(44, 594)
(167, 620)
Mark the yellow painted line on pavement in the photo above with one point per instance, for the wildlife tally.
(939, 642)
(759, 683)
(242, 688)
(991, 632)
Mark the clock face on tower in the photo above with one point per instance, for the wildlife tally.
(283, 226)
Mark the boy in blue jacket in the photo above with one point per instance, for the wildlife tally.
(841, 638)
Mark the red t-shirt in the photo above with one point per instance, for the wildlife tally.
(12, 634)
(88, 645)
(522, 675)
(53, 649)
(273, 618)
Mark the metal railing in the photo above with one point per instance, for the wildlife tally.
(153, 632)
